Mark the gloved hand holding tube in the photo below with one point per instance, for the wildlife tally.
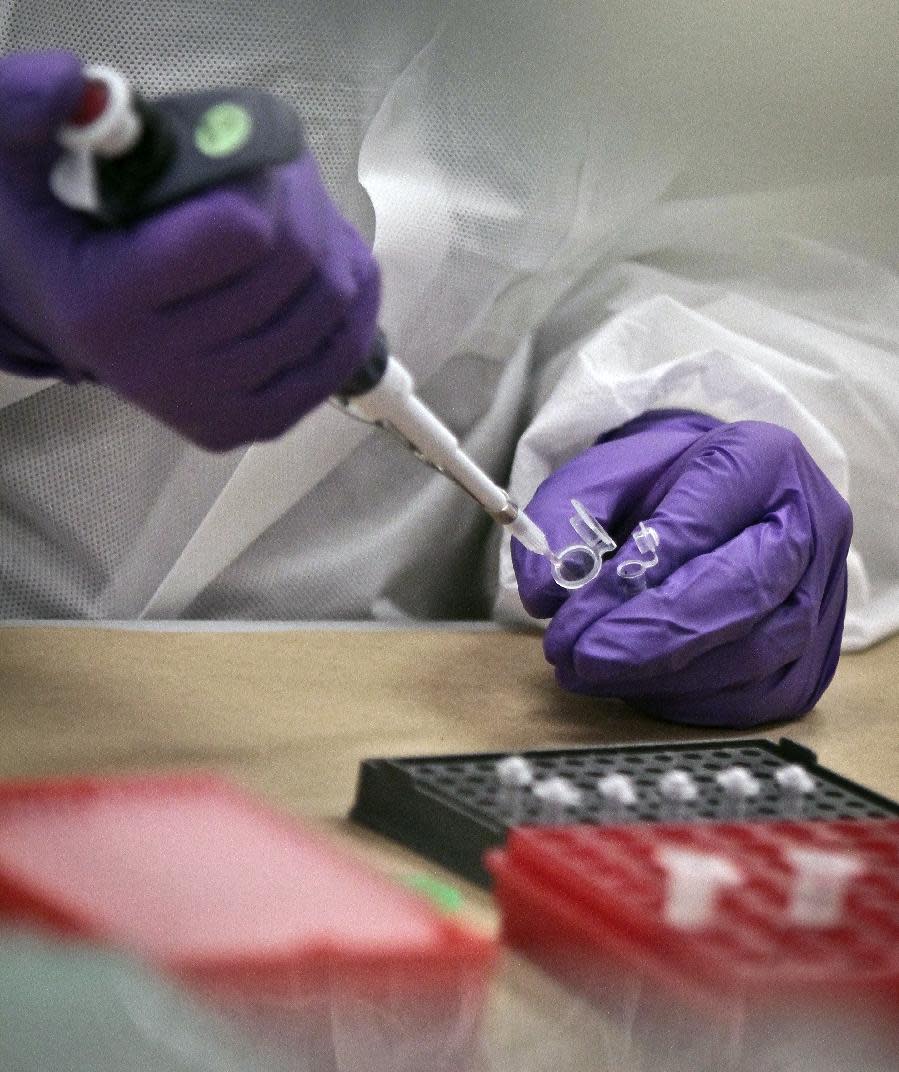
(742, 619)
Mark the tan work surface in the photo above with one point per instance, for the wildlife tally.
(291, 714)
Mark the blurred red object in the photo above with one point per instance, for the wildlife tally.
(587, 903)
(244, 907)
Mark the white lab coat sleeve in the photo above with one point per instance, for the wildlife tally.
(738, 359)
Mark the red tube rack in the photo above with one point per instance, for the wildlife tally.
(586, 902)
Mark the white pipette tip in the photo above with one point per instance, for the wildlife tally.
(557, 795)
(617, 790)
(821, 882)
(738, 785)
(795, 780)
(514, 772)
(530, 534)
(738, 782)
(514, 775)
(678, 787)
(694, 881)
(796, 784)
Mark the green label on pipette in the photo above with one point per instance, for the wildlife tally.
(223, 130)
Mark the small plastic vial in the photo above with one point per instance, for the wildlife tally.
(796, 786)
(558, 796)
(514, 774)
(618, 794)
(738, 785)
(678, 790)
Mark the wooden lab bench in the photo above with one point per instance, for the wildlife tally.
(290, 712)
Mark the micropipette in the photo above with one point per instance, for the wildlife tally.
(382, 392)
(125, 157)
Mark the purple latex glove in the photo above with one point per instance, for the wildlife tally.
(228, 316)
(744, 614)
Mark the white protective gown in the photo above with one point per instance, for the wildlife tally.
(581, 211)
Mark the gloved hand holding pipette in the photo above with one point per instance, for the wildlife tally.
(228, 315)
(742, 620)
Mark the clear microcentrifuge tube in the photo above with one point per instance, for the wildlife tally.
(578, 563)
(618, 794)
(556, 795)
(514, 774)
(633, 576)
(632, 573)
(575, 566)
(678, 790)
(796, 785)
(738, 786)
